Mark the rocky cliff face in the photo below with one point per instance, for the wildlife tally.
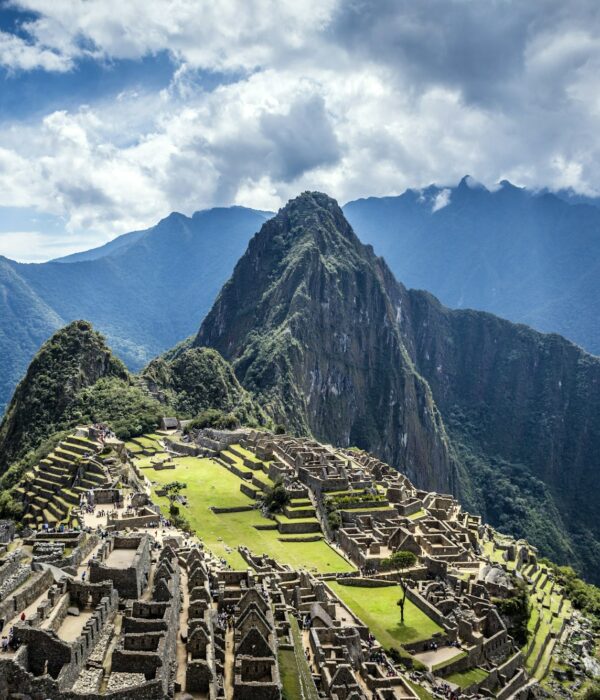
(310, 322)
(506, 418)
(526, 406)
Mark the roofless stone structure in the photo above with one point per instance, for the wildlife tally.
(107, 600)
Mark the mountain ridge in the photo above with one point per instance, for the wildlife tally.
(148, 289)
(525, 256)
(145, 296)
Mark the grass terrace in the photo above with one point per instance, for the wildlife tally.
(210, 484)
(377, 608)
(465, 679)
(416, 516)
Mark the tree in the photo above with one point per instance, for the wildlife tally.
(172, 490)
(276, 498)
(401, 560)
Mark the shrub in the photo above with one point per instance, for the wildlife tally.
(334, 520)
(276, 499)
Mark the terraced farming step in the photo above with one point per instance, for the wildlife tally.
(299, 512)
(289, 526)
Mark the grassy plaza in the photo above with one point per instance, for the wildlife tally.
(210, 484)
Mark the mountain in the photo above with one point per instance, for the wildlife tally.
(25, 322)
(116, 245)
(531, 257)
(507, 418)
(195, 380)
(74, 358)
(305, 304)
(145, 291)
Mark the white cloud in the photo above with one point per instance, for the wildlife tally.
(18, 54)
(35, 246)
(313, 100)
(224, 35)
(442, 199)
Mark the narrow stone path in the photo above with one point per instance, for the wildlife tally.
(183, 630)
(229, 665)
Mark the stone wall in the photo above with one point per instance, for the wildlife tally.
(12, 574)
(426, 607)
(135, 521)
(15, 679)
(39, 582)
(129, 581)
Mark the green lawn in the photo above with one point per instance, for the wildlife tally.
(416, 516)
(467, 678)
(246, 453)
(210, 484)
(422, 694)
(377, 608)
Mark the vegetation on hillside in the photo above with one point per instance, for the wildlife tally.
(74, 358)
(584, 596)
(198, 383)
(118, 402)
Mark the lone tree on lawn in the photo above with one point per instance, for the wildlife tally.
(275, 499)
(172, 490)
(400, 561)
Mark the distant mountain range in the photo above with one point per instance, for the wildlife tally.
(145, 290)
(531, 257)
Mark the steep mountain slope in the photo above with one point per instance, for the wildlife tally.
(25, 322)
(507, 418)
(529, 257)
(144, 294)
(310, 325)
(74, 358)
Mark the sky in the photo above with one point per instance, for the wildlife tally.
(114, 113)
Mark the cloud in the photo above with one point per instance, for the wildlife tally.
(302, 139)
(34, 246)
(18, 54)
(270, 98)
(441, 200)
(224, 35)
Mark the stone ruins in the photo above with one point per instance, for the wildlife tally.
(133, 609)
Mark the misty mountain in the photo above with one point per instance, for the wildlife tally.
(530, 257)
(145, 291)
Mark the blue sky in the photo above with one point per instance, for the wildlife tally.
(113, 114)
